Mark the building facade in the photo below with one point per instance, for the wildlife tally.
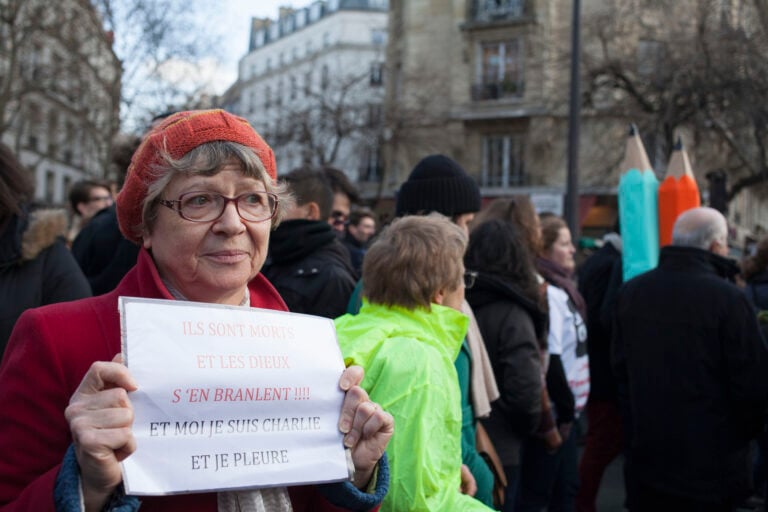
(487, 82)
(312, 85)
(60, 83)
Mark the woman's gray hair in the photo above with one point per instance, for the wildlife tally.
(699, 228)
(208, 159)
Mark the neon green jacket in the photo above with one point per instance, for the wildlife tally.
(408, 360)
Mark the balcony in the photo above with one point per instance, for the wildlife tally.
(487, 11)
(497, 90)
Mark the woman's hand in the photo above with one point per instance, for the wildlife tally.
(368, 428)
(468, 483)
(100, 416)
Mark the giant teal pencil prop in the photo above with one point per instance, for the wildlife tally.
(638, 209)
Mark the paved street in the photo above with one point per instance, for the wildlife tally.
(611, 496)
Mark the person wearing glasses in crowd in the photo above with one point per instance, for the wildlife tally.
(344, 196)
(200, 199)
(87, 198)
(407, 335)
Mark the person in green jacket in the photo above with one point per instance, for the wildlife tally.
(439, 184)
(407, 335)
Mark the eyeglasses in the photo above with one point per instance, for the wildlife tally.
(208, 206)
(470, 276)
(338, 217)
(99, 198)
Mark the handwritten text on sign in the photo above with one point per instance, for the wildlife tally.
(230, 397)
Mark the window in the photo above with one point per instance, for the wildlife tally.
(378, 37)
(324, 77)
(492, 10)
(301, 18)
(279, 93)
(503, 161)
(371, 168)
(259, 38)
(34, 120)
(377, 73)
(73, 151)
(501, 70)
(267, 98)
(294, 87)
(307, 83)
(53, 133)
(50, 186)
(650, 55)
(326, 40)
(375, 114)
(315, 11)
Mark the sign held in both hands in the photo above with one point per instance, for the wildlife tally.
(230, 397)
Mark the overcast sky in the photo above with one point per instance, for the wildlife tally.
(234, 18)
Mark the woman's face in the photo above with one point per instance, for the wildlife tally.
(209, 261)
(562, 250)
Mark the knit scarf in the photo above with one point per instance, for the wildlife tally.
(560, 277)
(483, 388)
(268, 499)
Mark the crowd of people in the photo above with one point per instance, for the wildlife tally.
(485, 371)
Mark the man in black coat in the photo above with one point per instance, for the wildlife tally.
(307, 264)
(691, 370)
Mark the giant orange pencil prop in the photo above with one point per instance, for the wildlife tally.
(677, 193)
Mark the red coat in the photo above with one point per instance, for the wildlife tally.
(50, 350)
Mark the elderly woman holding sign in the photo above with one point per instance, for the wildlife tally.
(200, 197)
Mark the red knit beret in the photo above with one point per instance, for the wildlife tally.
(177, 135)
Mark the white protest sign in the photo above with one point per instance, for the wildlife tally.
(230, 397)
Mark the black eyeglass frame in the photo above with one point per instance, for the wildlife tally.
(175, 204)
(470, 276)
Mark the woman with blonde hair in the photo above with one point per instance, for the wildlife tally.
(407, 336)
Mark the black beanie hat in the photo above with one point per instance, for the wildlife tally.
(438, 184)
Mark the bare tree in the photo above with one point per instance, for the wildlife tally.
(163, 46)
(702, 68)
(332, 112)
(59, 58)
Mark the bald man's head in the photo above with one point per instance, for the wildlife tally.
(703, 228)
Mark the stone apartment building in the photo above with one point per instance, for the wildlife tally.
(59, 92)
(312, 85)
(487, 82)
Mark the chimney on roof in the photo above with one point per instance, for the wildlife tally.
(259, 23)
(286, 11)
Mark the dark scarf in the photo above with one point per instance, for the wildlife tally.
(560, 277)
(295, 239)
